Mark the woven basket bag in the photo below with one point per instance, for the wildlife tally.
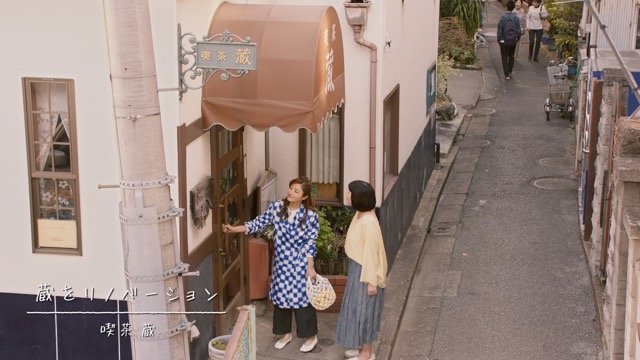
(320, 292)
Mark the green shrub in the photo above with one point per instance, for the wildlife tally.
(454, 43)
(444, 69)
(467, 11)
(565, 20)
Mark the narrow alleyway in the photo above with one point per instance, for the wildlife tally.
(503, 274)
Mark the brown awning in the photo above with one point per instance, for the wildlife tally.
(300, 68)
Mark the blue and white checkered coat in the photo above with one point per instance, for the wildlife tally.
(292, 246)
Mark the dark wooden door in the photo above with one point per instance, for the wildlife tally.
(230, 193)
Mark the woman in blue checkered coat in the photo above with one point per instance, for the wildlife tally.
(295, 222)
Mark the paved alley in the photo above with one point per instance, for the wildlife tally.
(503, 273)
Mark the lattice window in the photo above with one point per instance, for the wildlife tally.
(53, 170)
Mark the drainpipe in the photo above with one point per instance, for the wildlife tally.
(357, 19)
(357, 34)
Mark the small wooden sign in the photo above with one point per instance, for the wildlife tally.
(57, 233)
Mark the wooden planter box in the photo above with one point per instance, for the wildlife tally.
(338, 282)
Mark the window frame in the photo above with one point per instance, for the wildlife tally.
(34, 175)
(636, 38)
(302, 163)
(394, 138)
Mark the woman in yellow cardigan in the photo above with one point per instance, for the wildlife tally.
(359, 320)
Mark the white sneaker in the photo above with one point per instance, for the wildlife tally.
(306, 348)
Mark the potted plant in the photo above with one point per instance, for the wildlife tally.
(218, 346)
(325, 249)
(331, 250)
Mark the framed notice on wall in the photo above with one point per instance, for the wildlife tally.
(432, 82)
(57, 233)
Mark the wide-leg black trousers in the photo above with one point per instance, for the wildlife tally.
(306, 321)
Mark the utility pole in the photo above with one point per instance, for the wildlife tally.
(147, 214)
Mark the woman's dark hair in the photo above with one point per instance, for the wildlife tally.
(363, 197)
(308, 203)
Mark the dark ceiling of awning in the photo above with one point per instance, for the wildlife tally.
(300, 68)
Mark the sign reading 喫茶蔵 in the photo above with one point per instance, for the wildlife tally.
(230, 56)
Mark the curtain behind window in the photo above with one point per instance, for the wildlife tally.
(323, 152)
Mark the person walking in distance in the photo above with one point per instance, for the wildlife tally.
(509, 31)
(521, 13)
(295, 226)
(534, 23)
(361, 311)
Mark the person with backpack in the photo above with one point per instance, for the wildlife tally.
(509, 31)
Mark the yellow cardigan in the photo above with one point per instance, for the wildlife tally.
(364, 245)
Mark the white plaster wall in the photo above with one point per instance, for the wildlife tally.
(54, 41)
(163, 23)
(199, 166)
(405, 62)
(284, 158)
(255, 156)
(357, 75)
(75, 48)
(41, 47)
(195, 18)
(419, 51)
(284, 146)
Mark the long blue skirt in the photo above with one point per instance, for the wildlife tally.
(359, 320)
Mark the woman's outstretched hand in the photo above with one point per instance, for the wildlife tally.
(226, 228)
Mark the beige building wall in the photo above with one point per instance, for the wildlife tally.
(41, 47)
(75, 48)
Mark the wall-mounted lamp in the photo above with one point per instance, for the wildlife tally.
(357, 12)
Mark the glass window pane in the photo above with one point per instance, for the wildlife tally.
(44, 158)
(42, 130)
(66, 197)
(232, 288)
(49, 214)
(225, 142)
(61, 160)
(60, 127)
(59, 98)
(40, 96)
(67, 215)
(47, 191)
(638, 30)
(229, 177)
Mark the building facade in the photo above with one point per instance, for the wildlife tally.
(64, 250)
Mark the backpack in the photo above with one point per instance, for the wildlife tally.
(510, 33)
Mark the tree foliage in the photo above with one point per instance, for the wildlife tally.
(468, 11)
(565, 20)
(454, 43)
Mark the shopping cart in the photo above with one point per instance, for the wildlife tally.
(560, 89)
(560, 71)
(560, 99)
